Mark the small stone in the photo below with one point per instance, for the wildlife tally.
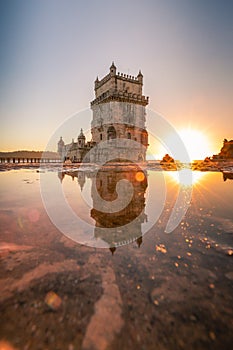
(212, 336)
(161, 248)
(33, 328)
(193, 318)
(53, 300)
(229, 275)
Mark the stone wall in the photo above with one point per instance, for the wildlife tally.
(118, 112)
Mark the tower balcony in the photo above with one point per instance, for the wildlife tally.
(121, 97)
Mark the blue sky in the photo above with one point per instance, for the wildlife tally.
(52, 51)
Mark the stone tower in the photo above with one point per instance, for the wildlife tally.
(119, 114)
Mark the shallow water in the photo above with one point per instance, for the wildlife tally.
(150, 290)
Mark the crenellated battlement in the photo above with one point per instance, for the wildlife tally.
(128, 77)
(122, 76)
(116, 82)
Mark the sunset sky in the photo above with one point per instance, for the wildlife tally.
(52, 51)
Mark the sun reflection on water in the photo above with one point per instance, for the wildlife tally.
(186, 177)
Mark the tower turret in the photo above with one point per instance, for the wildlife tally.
(81, 179)
(60, 146)
(96, 82)
(81, 139)
(140, 77)
(113, 69)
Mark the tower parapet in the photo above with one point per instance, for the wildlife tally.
(119, 83)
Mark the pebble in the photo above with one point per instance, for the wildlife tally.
(193, 318)
(33, 328)
(53, 300)
(229, 275)
(212, 335)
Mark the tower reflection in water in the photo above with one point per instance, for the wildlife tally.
(116, 224)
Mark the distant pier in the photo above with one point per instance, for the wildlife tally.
(29, 157)
(14, 160)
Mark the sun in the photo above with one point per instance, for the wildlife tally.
(196, 143)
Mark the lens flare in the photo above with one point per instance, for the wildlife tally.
(139, 176)
(5, 345)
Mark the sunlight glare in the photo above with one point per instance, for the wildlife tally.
(196, 143)
(186, 179)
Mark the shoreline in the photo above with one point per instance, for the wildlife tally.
(151, 165)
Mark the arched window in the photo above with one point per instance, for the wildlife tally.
(129, 135)
(101, 137)
(111, 133)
